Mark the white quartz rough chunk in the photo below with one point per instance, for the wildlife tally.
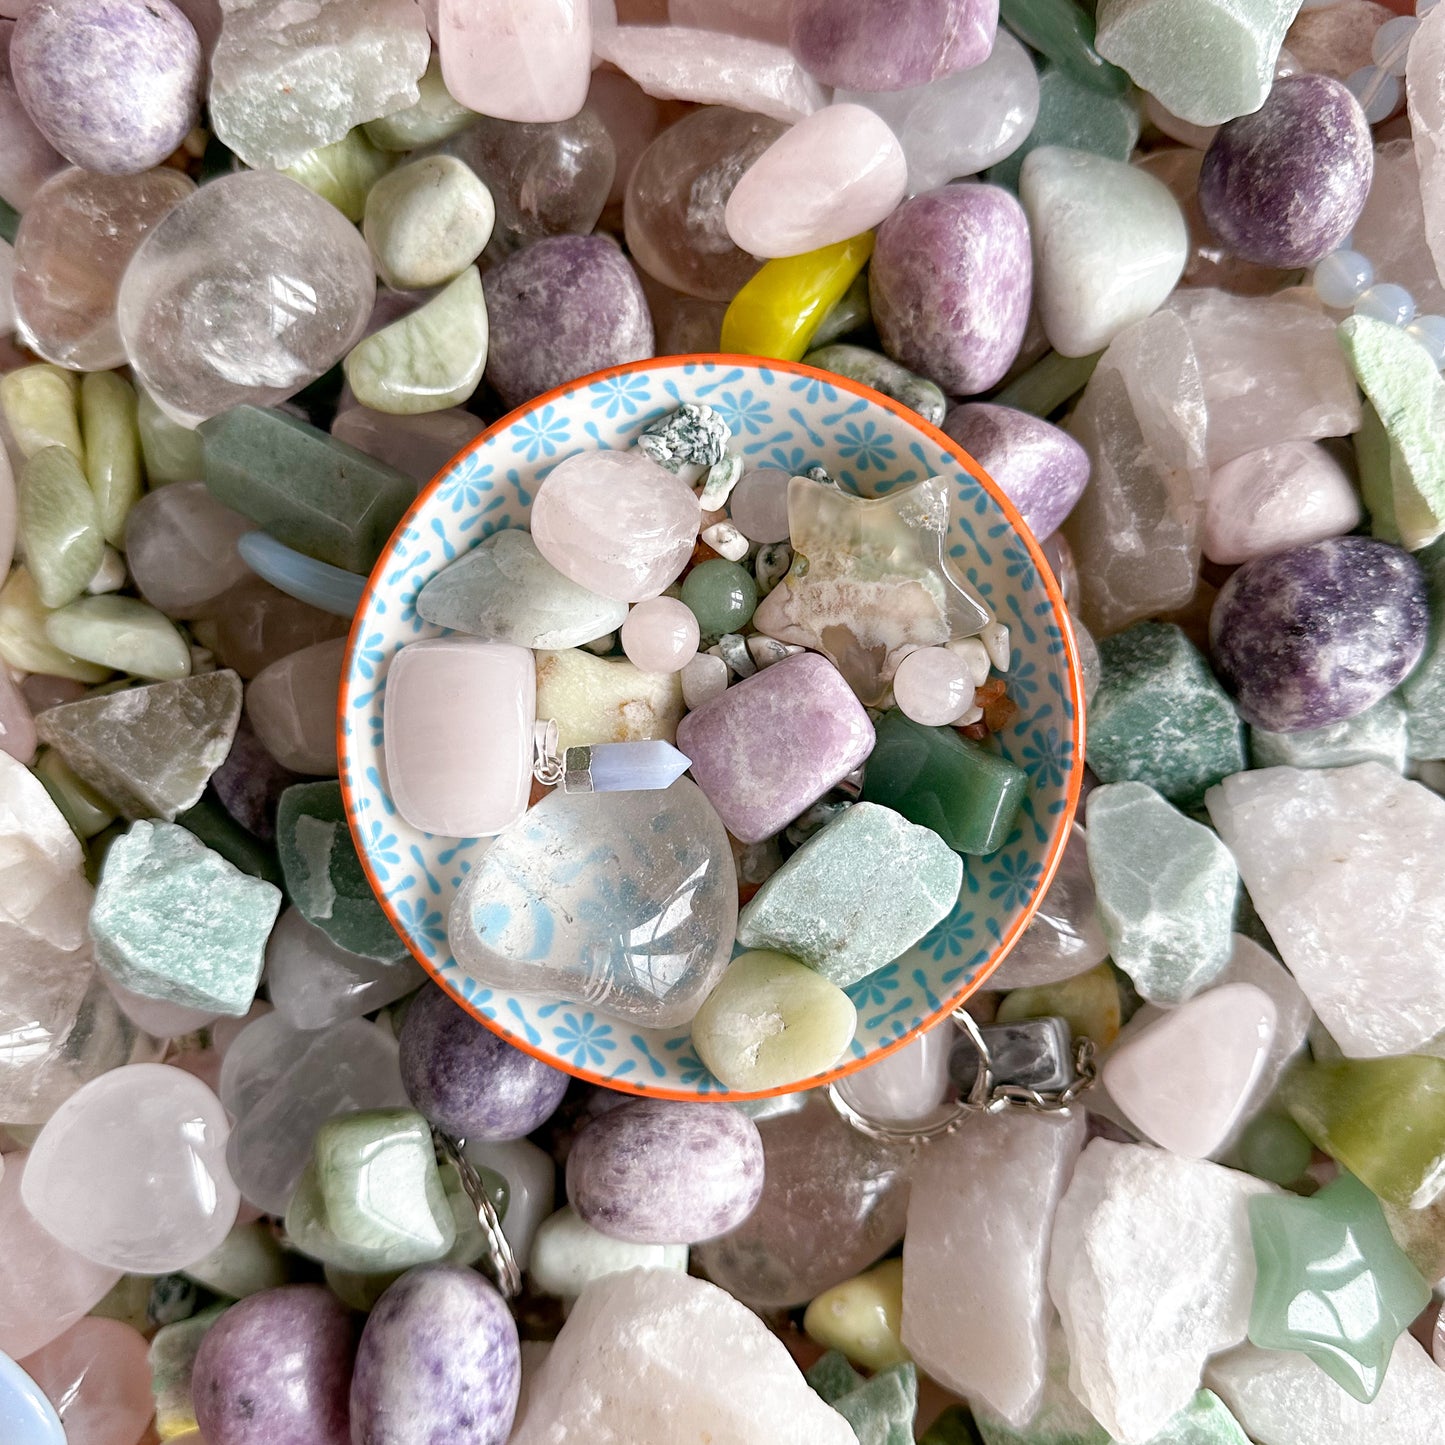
(1425, 93)
(42, 887)
(1344, 866)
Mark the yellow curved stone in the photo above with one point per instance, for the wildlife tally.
(1089, 1002)
(41, 406)
(108, 415)
(861, 1317)
(23, 642)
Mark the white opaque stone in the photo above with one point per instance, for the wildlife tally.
(159, 1018)
(908, 1084)
(427, 221)
(660, 635)
(1184, 1078)
(933, 686)
(460, 715)
(531, 1187)
(292, 706)
(153, 1138)
(704, 677)
(525, 60)
(568, 1255)
(980, 1215)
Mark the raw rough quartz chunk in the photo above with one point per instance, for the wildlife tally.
(43, 894)
(975, 1312)
(1141, 1313)
(1341, 864)
(149, 750)
(652, 1357)
(286, 79)
(1425, 91)
(1166, 889)
(524, 60)
(623, 901)
(245, 292)
(873, 45)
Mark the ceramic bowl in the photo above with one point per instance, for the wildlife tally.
(782, 415)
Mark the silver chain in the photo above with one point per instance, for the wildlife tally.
(500, 1261)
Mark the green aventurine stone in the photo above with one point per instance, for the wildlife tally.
(23, 643)
(172, 452)
(1423, 692)
(1064, 33)
(1403, 481)
(59, 526)
(306, 489)
(862, 890)
(122, 633)
(1378, 735)
(831, 1377)
(1382, 1119)
(149, 750)
(1061, 1420)
(174, 921)
(85, 810)
(954, 1427)
(112, 449)
(881, 1409)
(324, 875)
(220, 832)
(722, 595)
(343, 172)
(1160, 716)
(430, 359)
(968, 795)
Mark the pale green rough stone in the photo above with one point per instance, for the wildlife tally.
(881, 1409)
(121, 633)
(172, 1359)
(860, 892)
(149, 750)
(427, 221)
(1377, 735)
(1423, 692)
(174, 921)
(41, 409)
(431, 359)
(23, 643)
(343, 172)
(830, 1377)
(112, 449)
(1166, 890)
(172, 452)
(434, 117)
(59, 526)
(1404, 481)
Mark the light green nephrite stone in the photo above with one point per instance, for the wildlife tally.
(121, 633)
(1377, 735)
(59, 526)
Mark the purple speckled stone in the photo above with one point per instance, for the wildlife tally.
(950, 285)
(275, 1369)
(1318, 634)
(113, 85)
(468, 1081)
(439, 1363)
(1284, 186)
(1043, 471)
(660, 1172)
(250, 783)
(559, 308)
(890, 44)
(773, 744)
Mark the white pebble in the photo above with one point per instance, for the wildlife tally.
(726, 541)
(703, 679)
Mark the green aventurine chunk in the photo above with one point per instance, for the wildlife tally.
(1160, 717)
(59, 526)
(1205, 1420)
(323, 872)
(881, 1409)
(1064, 33)
(968, 795)
(1380, 734)
(306, 489)
(149, 750)
(1423, 692)
(174, 921)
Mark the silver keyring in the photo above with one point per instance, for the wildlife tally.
(500, 1261)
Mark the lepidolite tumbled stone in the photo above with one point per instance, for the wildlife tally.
(1318, 634)
(1285, 185)
(880, 45)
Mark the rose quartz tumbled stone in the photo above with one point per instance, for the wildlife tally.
(97, 1375)
(933, 686)
(517, 59)
(660, 635)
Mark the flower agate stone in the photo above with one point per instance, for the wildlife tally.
(157, 1136)
(559, 308)
(59, 526)
(149, 750)
(1160, 717)
(917, 393)
(569, 1254)
(97, 1375)
(656, 1171)
(615, 523)
(199, 311)
(605, 699)
(950, 285)
(1338, 863)
(870, 45)
(1141, 1315)
(113, 85)
(623, 901)
(660, 635)
(469, 1081)
(975, 1312)
(1318, 634)
(652, 1357)
(1089, 214)
(1166, 891)
(275, 1370)
(527, 60)
(766, 749)
(427, 221)
(1234, 42)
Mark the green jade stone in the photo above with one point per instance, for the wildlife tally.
(1332, 1283)
(308, 490)
(831, 1377)
(722, 595)
(122, 633)
(174, 921)
(1382, 1119)
(220, 832)
(149, 750)
(343, 172)
(1380, 734)
(172, 452)
(23, 643)
(248, 1260)
(1064, 34)
(41, 406)
(966, 794)
(435, 117)
(430, 359)
(324, 875)
(1051, 382)
(1205, 1420)
(9, 222)
(172, 1359)
(881, 1409)
(59, 526)
(874, 369)
(1160, 716)
(1423, 692)
(1275, 1148)
(85, 810)
(112, 449)
(862, 890)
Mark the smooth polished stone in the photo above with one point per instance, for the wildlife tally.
(23, 643)
(872, 369)
(40, 407)
(427, 221)
(26, 1415)
(861, 1317)
(59, 526)
(872, 46)
(85, 810)
(172, 1359)
(97, 1376)
(172, 452)
(108, 414)
(904, 1086)
(198, 312)
(180, 546)
(515, 59)
(343, 172)
(254, 624)
(933, 686)
(250, 1259)
(123, 634)
(1378, 735)
(318, 584)
(721, 595)
(606, 699)
(418, 446)
(435, 117)
(28, 159)
(660, 635)
(569, 1255)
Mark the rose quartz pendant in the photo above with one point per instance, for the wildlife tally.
(460, 718)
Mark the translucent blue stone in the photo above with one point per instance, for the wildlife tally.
(332, 589)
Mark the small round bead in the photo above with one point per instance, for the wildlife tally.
(759, 505)
(1377, 91)
(660, 635)
(722, 596)
(933, 686)
(1387, 302)
(1429, 331)
(1391, 45)
(1342, 278)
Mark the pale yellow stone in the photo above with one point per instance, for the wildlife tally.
(41, 406)
(1089, 1002)
(862, 1317)
(23, 643)
(606, 699)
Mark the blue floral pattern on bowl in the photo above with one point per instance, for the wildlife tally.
(786, 416)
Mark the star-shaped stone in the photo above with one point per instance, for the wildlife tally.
(1332, 1284)
(870, 581)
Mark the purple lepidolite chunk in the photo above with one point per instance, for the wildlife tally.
(659, 1172)
(890, 44)
(772, 745)
(1318, 634)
